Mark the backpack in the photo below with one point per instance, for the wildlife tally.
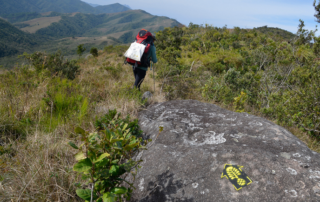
(137, 54)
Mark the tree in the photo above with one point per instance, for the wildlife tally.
(317, 8)
(80, 50)
(94, 52)
(304, 36)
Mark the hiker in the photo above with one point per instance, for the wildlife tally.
(140, 68)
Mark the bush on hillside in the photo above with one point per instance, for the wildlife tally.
(278, 77)
(106, 158)
(94, 52)
(53, 63)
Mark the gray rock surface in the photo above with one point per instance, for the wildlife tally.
(185, 163)
(146, 95)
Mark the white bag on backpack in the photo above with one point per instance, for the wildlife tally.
(135, 51)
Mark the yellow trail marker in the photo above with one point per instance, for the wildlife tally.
(236, 176)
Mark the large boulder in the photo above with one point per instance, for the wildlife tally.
(186, 161)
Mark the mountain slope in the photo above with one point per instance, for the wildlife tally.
(93, 5)
(105, 24)
(13, 40)
(112, 8)
(276, 31)
(67, 31)
(61, 6)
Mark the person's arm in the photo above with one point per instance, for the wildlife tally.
(153, 54)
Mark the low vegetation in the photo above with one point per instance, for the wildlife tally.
(40, 109)
(271, 75)
(58, 131)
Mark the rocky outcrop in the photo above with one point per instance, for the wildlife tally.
(187, 160)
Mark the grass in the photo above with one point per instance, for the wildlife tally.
(37, 166)
(39, 23)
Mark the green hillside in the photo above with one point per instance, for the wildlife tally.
(42, 108)
(116, 24)
(66, 31)
(112, 8)
(13, 40)
(276, 32)
(61, 6)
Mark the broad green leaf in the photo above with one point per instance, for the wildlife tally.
(125, 134)
(83, 165)
(73, 145)
(84, 194)
(133, 141)
(114, 169)
(108, 197)
(80, 156)
(116, 140)
(131, 146)
(108, 134)
(115, 161)
(79, 130)
(118, 190)
(93, 135)
(124, 127)
(102, 163)
(101, 157)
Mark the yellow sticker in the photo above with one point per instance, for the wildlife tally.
(236, 176)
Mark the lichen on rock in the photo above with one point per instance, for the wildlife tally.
(186, 161)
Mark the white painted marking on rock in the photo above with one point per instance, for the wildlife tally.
(195, 185)
(174, 131)
(297, 155)
(255, 123)
(292, 171)
(308, 158)
(314, 174)
(293, 193)
(160, 108)
(213, 139)
(214, 155)
(141, 187)
(230, 119)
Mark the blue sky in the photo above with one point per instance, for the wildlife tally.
(284, 14)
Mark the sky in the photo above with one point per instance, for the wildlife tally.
(284, 14)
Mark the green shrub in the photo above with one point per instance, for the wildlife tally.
(54, 63)
(105, 158)
(112, 117)
(94, 52)
(240, 101)
(80, 50)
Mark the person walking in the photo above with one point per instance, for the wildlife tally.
(140, 71)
